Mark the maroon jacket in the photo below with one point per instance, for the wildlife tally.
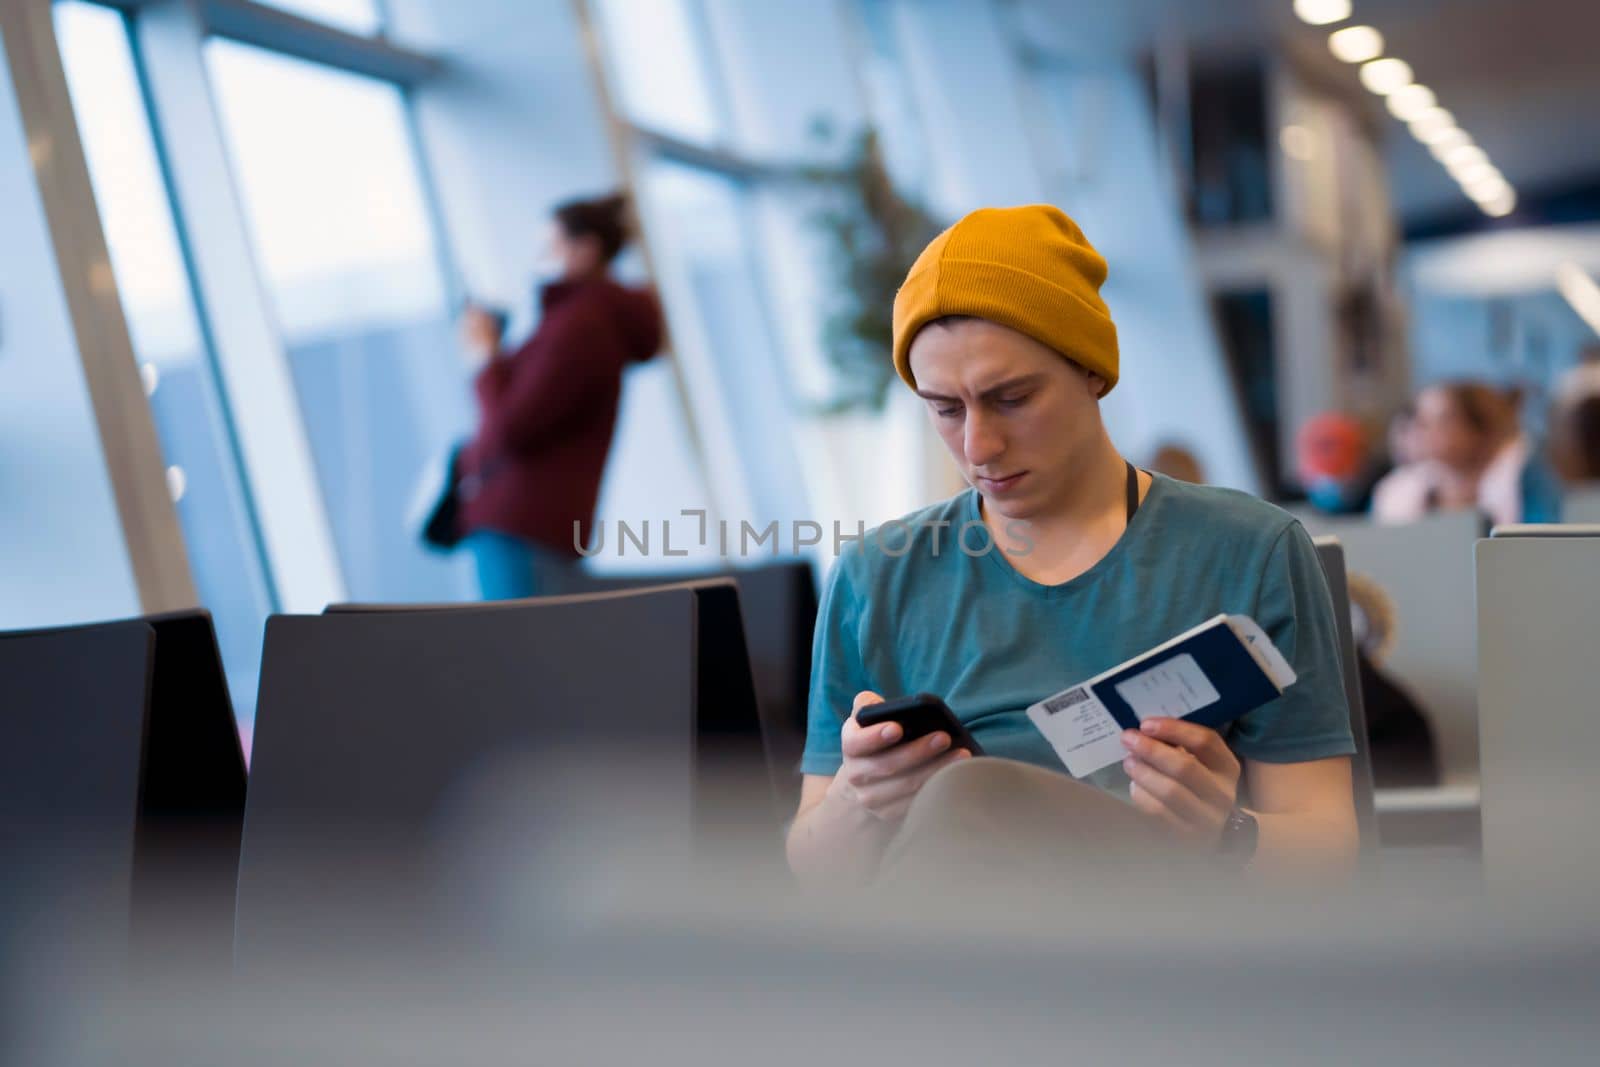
(547, 412)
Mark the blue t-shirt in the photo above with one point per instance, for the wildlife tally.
(911, 608)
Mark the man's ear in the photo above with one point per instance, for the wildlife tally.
(1098, 386)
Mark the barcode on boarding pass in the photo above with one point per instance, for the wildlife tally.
(1062, 701)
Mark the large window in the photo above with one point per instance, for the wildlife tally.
(892, 100)
(62, 556)
(709, 271)
(147, 262)
(336, 210)
(327, 178)
(660, 66)
(719, 102)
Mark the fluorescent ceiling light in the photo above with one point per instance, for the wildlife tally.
(1491, 188)
(1322, 12)
(1384, 76)
(1432, 125)
(1500, 206)
(1476, 174)
(1463, 156)
(1448, 141)
(1356, 44)
(1407, 103)
(1581, 292)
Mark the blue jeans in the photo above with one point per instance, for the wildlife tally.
(510, 568)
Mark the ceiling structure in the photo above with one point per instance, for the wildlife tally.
(1521, 76)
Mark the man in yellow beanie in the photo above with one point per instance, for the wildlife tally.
(1059, 563)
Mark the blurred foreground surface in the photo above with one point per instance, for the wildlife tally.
(556, 918)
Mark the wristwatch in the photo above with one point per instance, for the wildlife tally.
(1237, 845)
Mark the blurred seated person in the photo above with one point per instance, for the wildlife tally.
(1071, 560)
(1470, 455)
(1333, 464)
(1518, 485)
(1575, 442)
(1178, 461)
(548, 408)
(1579, 381)
(1404, 448)
(1575, 422)
(1399, 740)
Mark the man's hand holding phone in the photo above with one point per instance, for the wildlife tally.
(880, 775)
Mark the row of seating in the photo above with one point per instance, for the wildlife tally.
(372, 718)
(1424, 571)
(121, 767)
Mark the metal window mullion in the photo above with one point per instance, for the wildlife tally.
(455, 287)
(120, 5)
(134, 463)
(698, 413)
(282, 31)
(208, 347)
(717, 80)
(267, 26)
(249, 351)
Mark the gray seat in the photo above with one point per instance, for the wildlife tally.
(375, 723)
(121, 771)
(1538, 593)
(1425, 567)
(778, 606)
(1331, 554)
(755, 627)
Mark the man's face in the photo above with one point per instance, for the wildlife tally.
(1018, 418)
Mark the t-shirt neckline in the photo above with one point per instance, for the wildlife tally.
(1138, 523)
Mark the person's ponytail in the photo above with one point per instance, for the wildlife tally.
(603, 218)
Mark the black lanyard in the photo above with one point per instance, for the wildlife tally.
(1133, 490)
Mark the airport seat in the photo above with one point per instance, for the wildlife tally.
(375, 722)
(1581, 507)
(1331, 554)
(121, 771)
(778, 604)
(776, 608)
(1425, 568)
(728, 713)
(1538, 591)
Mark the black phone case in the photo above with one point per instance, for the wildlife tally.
(920, 715)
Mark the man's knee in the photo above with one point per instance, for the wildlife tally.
(968, 782)
(976, 793)
(984, 796)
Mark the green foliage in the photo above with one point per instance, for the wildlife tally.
(871, 234)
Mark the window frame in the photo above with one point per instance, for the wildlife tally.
(246, 356)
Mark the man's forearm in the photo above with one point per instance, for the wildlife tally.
(1304, 842)
(835, 844)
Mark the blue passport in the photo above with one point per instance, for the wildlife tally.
(1210, 675)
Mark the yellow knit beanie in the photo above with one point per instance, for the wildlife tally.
(1029, 268)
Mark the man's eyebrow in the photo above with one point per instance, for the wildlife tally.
(1000, 387)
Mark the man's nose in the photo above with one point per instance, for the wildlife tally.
(981, 442)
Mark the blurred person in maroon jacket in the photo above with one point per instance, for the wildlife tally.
(547, 409)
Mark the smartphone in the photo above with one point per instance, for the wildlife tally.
(920, 715)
